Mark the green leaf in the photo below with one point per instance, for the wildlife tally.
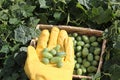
(97, 76)
(42, 4)
(22, 34)
(14, 48)
(1, 2)
(119, 30)
(34, 32)
(84, 2)
(99, 15)
(63, 1)
(27, 10)
(9, 62)
(57, 15)
(115, 72)
(43, 17)
(33, 21)
(117, 13)
(80, 6)
(13, 21)
(5, 49)
(3, 15)
(14, 7)
(15, 76)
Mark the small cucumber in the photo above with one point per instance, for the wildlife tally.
(83, 69)
(59, 64)
(79, 71)
(85, 52)
(45, 60)
(77, 65)
(97, 57)
(79, 60)
(80, 43)
(86, 64)
(53, 52)
(75, 34)
(93, 38)
(87, 45)
(78, 38)
(55, 60)
(78, 48)
(94, 63)
(97, 51)
(90, 57)
(57, 48)
(91, 69)
(78, 54)
(85, 38)
(47, 55)
(95, 44)
(60, 54)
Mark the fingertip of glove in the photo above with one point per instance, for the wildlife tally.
(45, 31)
(55, 28)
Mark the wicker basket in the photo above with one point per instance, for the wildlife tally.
(79, 30)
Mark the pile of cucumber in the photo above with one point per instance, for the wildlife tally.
(53, 56)
(87, 53)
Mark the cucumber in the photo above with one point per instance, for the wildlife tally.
(78, 38)
(97, 51)
(55, 59)
(45, 50)
(57, 48)
(83, 69)
(90, 57)
(53, 52)
(75, 34)
(86, 64)
(60, 54)
(75, 42)
(91, 49)
(91, 69)
(78, 48)
(79, 60)
(95, 44)
(80, 43)
(79, 71)
(59, 64)
(77, 65)
(87, 45)
(45, 60)
(85, 52)
(92, 38)
(97, 57)
(47, 55)
(85, 38)
(94, 63)
(78, 54)
(99, 39)
(73, 38)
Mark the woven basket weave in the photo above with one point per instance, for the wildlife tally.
(79, 30)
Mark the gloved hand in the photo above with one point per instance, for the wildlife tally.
(36, 70)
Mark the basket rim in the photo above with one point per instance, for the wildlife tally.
(79, 30)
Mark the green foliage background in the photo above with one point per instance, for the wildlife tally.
(18, 19)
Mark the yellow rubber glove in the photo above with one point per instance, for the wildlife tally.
(36, 70)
